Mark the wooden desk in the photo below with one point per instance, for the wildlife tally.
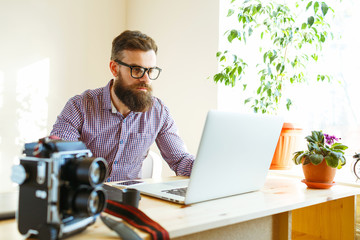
(285, 208)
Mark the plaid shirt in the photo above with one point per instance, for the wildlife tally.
(123, 142)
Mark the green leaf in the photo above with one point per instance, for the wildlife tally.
(250, 31)
(239, 69)
(218, 77)
(235, 58)
(282, 69)
(234, 34)
(343, 161)
(316, 159)
(316, 7)
(315, 56)
(338, 146)
(265, 56)
(313, 146)
(288, 104)
(322, 38)
(332, 161)
(303, 26)
(247, 100)
(230, 12)
(309, 5)
(310, 21)
(278, 67)
(297, 157)
(324, 8)
(269, 92)
(258, 90)
(306, 160)
(337, 155)
(317, 135)
(310, 139)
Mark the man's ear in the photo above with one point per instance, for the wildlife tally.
(113, 68)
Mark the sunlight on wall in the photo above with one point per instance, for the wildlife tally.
(1, 91)
(27, 114)
(1, 102)
(3, 169)
(32, 88)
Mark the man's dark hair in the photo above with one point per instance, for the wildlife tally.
(131, 40)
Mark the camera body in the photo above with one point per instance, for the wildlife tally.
(60, 188)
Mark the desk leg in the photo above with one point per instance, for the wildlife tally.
(357, 218)
(282, 226)
(334, 219)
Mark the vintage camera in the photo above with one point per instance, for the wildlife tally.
(60, 188)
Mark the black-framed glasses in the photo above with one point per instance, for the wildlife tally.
(138, 71)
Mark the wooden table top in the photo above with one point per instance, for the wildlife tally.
(280, 194)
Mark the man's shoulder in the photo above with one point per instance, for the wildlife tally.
(158, 104)
(93, 93)
(158, 110)
(90, 95)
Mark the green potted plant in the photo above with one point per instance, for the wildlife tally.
(290, 36)
(321, 160)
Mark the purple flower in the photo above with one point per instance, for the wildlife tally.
(330, 139)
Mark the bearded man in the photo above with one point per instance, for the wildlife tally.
(120, 121)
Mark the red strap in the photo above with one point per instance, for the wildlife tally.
(136, 218)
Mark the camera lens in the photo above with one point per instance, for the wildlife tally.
(92, 171)
(95, 173)
(94, 202)
(90, 202)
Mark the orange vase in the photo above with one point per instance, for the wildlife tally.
(320, 173)
(289, 141)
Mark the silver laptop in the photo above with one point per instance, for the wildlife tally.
(234, 157)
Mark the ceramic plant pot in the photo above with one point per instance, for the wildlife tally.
(288, 143)
(319, 176)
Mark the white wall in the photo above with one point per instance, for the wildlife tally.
(187, 36)
(72, 41)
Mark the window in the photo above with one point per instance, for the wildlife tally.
(333, 108)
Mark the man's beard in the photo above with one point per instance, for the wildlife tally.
(135, 100)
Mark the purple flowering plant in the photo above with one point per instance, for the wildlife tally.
(330, 139)
(322, 147)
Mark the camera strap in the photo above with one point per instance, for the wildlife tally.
(136, 218)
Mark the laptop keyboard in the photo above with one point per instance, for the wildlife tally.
(177, 191)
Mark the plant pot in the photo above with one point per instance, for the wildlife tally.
(321, 174)
(289, 141)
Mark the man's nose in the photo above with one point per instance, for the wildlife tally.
(145, 78)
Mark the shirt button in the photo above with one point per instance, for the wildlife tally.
(121, 141)
(116, 162)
